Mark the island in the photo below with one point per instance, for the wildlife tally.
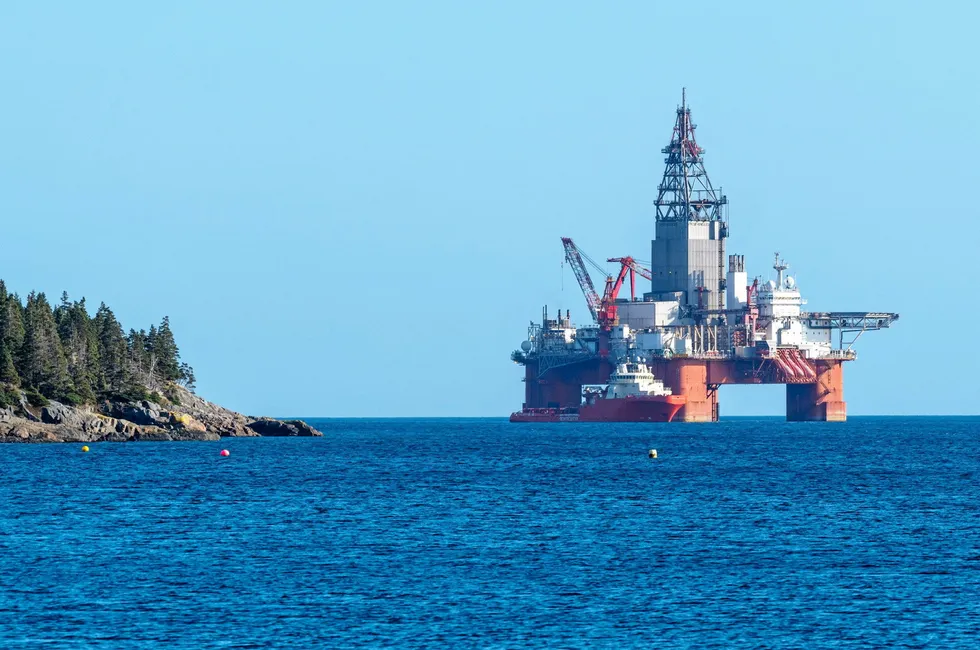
(68, 376)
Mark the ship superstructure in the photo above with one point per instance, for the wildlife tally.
(701, 325)
(632, 380)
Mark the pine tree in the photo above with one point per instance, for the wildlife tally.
(11, 319)
(67, 354)
(11, 335)
(112, 376)
(92, 361)
(165, 352)
(8, 372)
(150, 355)
(43, 360)
(140, 357)
(75, 329)
(187, 378)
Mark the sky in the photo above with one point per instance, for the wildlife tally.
(354, 208)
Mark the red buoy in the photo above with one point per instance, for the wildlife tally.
(225, 452)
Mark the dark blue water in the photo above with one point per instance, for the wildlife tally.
(479, 533)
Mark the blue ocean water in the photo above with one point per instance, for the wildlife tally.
(480, 533)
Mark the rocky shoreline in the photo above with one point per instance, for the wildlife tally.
(185, 417)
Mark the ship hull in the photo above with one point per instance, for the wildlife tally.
(660, 408)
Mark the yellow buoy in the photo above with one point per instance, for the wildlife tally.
(85, 448)
(653, 453)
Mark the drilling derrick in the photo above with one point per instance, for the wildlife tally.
(691, 225)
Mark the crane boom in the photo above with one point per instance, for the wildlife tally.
(582, 275)
(633, 265)
(628, 264)
(646, 274)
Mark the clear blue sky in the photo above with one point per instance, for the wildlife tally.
(353, 208)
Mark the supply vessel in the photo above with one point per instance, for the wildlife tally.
(699, 327)
(632, 394)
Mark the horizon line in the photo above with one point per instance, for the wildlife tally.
(504, 417)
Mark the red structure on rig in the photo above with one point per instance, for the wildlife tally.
(603, 309)
(698, 328)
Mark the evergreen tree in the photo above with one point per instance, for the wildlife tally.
(75, 329)
(43, 360)
(187, 378)
(11, 319)
(140, 357)
(8, 372)
(67, 354)
(112, 376)
(92, 360)
(11, 335)
(150, 358)
(165, 352)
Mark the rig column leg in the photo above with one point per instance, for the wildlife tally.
(690, 378)
(822, 401)
(532, 390)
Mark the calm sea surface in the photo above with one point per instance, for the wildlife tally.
(479, 533)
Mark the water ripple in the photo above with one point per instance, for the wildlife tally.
(478, 533)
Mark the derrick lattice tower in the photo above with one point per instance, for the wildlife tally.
(691, 224)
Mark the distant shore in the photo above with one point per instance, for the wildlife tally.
(184, 417)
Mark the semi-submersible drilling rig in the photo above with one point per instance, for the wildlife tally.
(700, 326)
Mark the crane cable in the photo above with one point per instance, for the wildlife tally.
(593, 263)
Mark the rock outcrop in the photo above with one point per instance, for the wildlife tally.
(270, 427)
(184, 416)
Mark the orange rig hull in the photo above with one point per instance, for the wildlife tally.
(660, 408)
(557, 392)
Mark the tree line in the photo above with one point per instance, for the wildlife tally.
(65, 354)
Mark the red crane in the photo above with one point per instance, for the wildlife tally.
(627, 265)
(603, 309)
(582, 275)
(634, 269)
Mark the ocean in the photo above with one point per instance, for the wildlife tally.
(413, 533)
